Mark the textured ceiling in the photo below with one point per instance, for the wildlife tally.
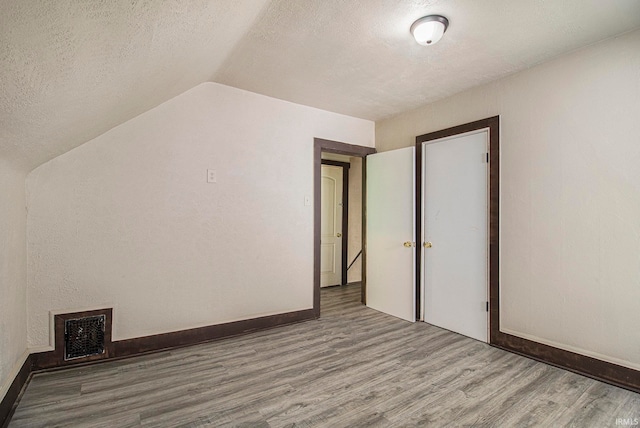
(358, 57)
(71, 69)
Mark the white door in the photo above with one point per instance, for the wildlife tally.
(455, 233)
(331, 226)
(391, 232)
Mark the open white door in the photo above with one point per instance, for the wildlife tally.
(391, 233)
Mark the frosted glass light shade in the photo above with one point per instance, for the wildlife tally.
(429, 29)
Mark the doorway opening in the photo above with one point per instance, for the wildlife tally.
(334, 220)
(337, 148)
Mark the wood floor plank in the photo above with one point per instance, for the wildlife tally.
(353, 367)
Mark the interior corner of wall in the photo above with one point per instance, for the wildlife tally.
(11, 375)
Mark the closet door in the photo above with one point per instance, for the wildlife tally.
(390, 213)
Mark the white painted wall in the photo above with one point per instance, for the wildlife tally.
(13, 273)
(570, 194)
(128, 219)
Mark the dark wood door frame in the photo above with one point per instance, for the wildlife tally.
(345, 214)
(493, 124)
(328, 146)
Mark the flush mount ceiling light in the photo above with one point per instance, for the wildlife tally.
(429, 29)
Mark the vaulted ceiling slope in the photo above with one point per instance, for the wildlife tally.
(70, 70)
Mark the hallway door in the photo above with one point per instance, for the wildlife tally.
(331, 226)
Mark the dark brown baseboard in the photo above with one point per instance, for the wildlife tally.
(7, 406)
(144, 345)
(623, 377)
(158, 342)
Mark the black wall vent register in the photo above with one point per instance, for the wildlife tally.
(84, 337)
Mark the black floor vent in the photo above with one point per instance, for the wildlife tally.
(84, 337)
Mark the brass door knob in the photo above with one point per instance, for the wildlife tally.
(427, 245)
(409, 244)
(339, 235)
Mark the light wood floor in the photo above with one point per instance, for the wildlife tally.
(353, 367)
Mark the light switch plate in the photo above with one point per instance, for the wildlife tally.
(211, 176)
(307, 201)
